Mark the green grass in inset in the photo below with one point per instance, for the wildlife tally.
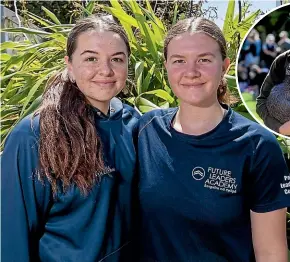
(251, 104)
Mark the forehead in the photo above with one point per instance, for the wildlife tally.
(100, 41)
(193, 42)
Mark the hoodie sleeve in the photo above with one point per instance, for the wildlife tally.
(24, 199)
(275, 76)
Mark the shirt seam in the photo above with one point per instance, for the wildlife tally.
(170, 113)
(102, 259)
(267, 206)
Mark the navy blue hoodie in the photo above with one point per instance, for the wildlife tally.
(70, 227)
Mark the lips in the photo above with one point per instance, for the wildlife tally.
(193, 85)
(104, 83)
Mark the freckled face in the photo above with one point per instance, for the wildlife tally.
(195, 67)
(99, 66)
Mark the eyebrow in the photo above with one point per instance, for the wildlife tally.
(207, 54)
(200, 55)
(96, 53)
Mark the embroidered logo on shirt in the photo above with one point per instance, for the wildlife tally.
(198, 173)
(216, 178)
(106, 171)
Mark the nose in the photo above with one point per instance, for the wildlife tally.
(192, 70)
(105, 69)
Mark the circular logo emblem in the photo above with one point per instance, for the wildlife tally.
(198, 173)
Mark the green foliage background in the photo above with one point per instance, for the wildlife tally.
(25, 72)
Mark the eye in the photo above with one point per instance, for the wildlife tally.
(117, 59)
(204, 60)
(92, 59)
(178, 61)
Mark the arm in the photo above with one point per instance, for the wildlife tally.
(24, 198)
(267, 197)
(269, 236)
(275, 76)
(268, 52)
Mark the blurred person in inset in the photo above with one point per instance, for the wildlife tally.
(269, 50)
(279, 73)
(257, 75)
(242, 76)
(251, 49)
(284, 42)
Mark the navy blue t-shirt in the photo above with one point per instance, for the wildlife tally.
(196, 192)
(70, 227)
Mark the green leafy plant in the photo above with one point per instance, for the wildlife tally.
(27, 66)
(25, 72)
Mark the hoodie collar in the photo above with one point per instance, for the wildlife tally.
(115, 110)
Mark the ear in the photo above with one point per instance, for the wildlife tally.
(69, 67)
(226, 65)
(165, 64)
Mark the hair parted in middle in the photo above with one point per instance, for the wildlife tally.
(70, 150)
(201, 25)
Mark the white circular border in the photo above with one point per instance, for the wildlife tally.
(236, 71)
(198, 167)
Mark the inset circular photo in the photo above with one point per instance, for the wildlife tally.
(263, 71)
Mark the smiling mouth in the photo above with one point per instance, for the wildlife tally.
(104, 83)
(193, 85)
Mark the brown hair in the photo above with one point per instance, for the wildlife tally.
(201, 25)
(70, 149)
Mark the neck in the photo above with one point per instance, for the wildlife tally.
(102, 106)
(194, 120)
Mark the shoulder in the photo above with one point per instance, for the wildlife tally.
(157, 113)
(28, 127)
(155, 117)
(130, 116)
(254, 132)
(129, 111)
(24, 137)
(287, 53)
(281, 59)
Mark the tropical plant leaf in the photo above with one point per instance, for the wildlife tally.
(40, 20)
(148, 78)
(228, 23)
(174, 20)
(51, 15)
(160, 93)
(32, 91)
(121, 15)
(145, 105)
(24, 30)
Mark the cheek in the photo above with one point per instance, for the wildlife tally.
(121, 72)
(213, 75)
(174, 74)
(83, 73)
(212, 71)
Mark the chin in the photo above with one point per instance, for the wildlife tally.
(104, 96)
(198, 102)
(103, 99)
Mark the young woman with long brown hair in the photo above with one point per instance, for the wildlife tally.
(67, 169)
(213, 185)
